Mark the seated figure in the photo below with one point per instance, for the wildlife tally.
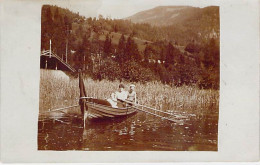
(121, 94)
(131, 97)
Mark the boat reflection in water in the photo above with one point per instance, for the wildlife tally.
(130, 133)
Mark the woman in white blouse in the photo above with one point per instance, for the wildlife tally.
(121, 94)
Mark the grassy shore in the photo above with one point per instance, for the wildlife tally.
(57, 90)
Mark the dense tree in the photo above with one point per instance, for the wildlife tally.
(109, 70)
(210, 77)
(134, 72)
(46, 26)
(162, 56)
(90, 43)
(192, 48)
(131, 50)
(169, 59)
(107, 46)
(147, 54)
(120, 54)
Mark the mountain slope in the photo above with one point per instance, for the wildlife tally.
(168, 15)
(187, 22)
(162, 15)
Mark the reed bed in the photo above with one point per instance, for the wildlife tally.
(57, 90)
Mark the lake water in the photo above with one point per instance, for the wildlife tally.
(137, 132)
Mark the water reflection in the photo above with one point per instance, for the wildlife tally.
(137, 132)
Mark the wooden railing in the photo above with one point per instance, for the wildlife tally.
(48, 54)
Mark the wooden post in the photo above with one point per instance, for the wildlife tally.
(50, 48)
(84, 67)
(46, 64)
(85, 118)
(67, 35)
(66, 50)
(99, 62)
(82, 102)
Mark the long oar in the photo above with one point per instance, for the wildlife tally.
(60, 109)
(155, 114)
(136, 106)
(144, 106)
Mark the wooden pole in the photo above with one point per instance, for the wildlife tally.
(84, 65)
(67, 34)
(50, 48)
(46, 64)
(66, 50)
(82, 102)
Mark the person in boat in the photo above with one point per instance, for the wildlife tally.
(131, 97)
(118, 97)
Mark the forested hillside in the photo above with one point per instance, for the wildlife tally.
(182, 23)
(183, 53)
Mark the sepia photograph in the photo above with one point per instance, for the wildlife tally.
(146, 79)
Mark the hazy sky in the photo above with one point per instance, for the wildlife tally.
(124, 8)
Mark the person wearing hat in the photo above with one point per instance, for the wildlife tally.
(131, 97)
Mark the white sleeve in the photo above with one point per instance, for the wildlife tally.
(115, 96)
(125, 95)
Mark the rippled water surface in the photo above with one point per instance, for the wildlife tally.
(137, 132)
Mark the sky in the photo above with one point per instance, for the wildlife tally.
(124, 8)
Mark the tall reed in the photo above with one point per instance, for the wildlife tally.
(57, 90)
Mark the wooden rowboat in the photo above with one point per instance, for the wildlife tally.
(97, 109)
